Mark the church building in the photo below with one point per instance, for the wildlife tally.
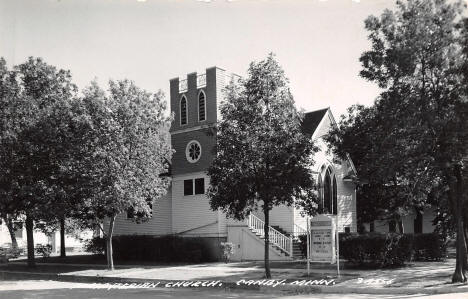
(185, 211)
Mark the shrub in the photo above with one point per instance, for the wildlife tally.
(398, 250)
(44, 250)
(96, 245)
(392, 249)
(228, 250)
(387, 250)
(161, 249)
(381, 250)
(429, 247)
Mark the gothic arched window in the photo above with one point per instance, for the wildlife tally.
(327, 192)
(320, 194)
(201, 106)
(335, 197)
(183, 111)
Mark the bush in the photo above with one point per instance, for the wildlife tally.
(429, 247)
(381, 250)
(387, 250)
(228, 250)
(44, 250)
(161, 249)
(96, 245)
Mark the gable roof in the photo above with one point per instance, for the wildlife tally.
(312, 120)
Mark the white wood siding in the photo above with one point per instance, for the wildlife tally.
(346, 191)
(159, 224)
(191, 215)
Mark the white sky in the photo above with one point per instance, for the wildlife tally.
(318, 43)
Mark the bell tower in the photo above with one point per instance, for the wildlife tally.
(194, 104)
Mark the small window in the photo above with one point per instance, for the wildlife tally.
(201, 106)
(200, 186)
(183, 111)
(188, 187)
(347, 229)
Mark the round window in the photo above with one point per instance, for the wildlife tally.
(193, 151)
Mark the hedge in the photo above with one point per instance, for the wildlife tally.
(376, 249)
(429, 247)
(388, 250)
(160, 249)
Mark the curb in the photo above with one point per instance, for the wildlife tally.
(295, 289)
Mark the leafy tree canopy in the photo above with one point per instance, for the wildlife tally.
(262, 157)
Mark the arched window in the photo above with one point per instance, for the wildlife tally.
(335, 197)
(327, 192)
(201, 106)
(320, 195)
(183, 111)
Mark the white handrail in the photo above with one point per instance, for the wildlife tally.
(276, 238)
(299, 230)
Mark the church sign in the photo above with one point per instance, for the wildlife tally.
(322, 232)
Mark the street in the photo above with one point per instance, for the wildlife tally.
(55, 289)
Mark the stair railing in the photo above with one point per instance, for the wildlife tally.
(276, 238)
(299, 231)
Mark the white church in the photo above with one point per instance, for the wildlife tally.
(184, 211)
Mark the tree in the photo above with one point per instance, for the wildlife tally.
(9, 93)
(128, 149)
(263, 159)
(33, 93)
(418, 125)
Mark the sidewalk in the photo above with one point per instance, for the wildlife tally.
(418, 278)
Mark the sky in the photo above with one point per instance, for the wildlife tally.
(318, 43)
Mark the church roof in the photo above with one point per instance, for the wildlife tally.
(312, 120)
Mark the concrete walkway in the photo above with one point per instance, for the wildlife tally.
(418, 278)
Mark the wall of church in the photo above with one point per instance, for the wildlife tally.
(191, 214)
(211, 93)
(346, 195)
(159, 224)
(282, 216)
(382, 226)
(180, 165)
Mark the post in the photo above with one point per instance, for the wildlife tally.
(291, 243)
(308, 248)
(337, 248)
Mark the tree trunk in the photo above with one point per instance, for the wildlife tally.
(11, 230)
(266, 230)
(30, 237)
(110, 258)
(456, 198)
(62, 237)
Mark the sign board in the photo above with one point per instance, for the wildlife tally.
(322, 239)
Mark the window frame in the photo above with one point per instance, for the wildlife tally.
(195, 186)
(183, 98)
(192, 187)
(187, 151)
(204, 105)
